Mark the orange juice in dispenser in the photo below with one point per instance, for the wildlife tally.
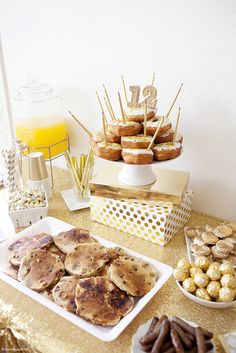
(39, 119)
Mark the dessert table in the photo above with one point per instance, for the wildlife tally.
(47, 332)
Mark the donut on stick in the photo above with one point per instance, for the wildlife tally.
(107, 150)
(123, 128)
(153, 123)
(165, 136)
(140, 156)
(168, 150)
(139, 141)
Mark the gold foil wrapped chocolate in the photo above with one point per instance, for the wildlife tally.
(203, 294)
(180, 275)
(189, 285)
(213, 289)
(201, 280)
(202, 262)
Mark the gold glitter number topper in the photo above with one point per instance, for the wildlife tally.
(149, 93)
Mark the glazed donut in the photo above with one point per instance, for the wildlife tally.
(99, 137)
(137, 114)
(165, 151)
(153, 124)
(165, 136)
(137, 156)
(111, 151)
(139, 141)
(129, 128)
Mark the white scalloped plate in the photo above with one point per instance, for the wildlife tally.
(54, 226)
(136, 347)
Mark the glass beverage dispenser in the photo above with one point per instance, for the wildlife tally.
(39, 118)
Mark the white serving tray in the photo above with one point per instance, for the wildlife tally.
(54, 226)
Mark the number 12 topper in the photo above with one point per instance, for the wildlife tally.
(149, 93)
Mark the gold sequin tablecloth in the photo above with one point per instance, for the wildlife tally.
(49, 333)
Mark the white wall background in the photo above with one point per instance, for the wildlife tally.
(77, 45)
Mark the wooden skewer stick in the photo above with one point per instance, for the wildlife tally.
(145, 119)
(109, 102)
(174, 100)
(74, 174)
(104, 128)
(176, 126)
(156, 132)
(83, 127)
(121, 108)
(124, 88)
(153, 78)
(109, 109)
(100, 103)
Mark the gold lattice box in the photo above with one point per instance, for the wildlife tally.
(154, 221)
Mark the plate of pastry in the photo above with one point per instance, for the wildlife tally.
(217, 243)
(84, 278)
(172, 334)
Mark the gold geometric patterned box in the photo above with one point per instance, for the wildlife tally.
(154, 221)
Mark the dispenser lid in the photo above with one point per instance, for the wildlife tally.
(35, 90)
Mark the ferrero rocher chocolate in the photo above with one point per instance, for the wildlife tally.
(189, 285)
(214, 265)
(183, 264)
(226, 294)
(213, 289)
(203, 294)
(202, 262)
(180, 275)
(201, 280)
(226, 268)
(194, 270)
(228, 281)
(214, 274)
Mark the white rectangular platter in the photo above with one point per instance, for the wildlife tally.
(54, 226)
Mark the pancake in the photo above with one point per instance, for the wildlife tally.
(40, 269)
(66, 241)
(22, 246)
(85, 260)
(64, 293)
(133, 275)
(54, 250)
(101, 302)
(11, 270)
(114, 253)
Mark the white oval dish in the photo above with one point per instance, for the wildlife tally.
(135, 345)
(216, 305)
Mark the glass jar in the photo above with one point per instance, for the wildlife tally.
(39, 118)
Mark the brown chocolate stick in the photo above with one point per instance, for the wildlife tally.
(209, 346)
(170, 350)
(152, 325)
(176, 340)
(184, 325)
(200, 339)
(162, 336)
(185, 337)
(190, 329)
(151, 337)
